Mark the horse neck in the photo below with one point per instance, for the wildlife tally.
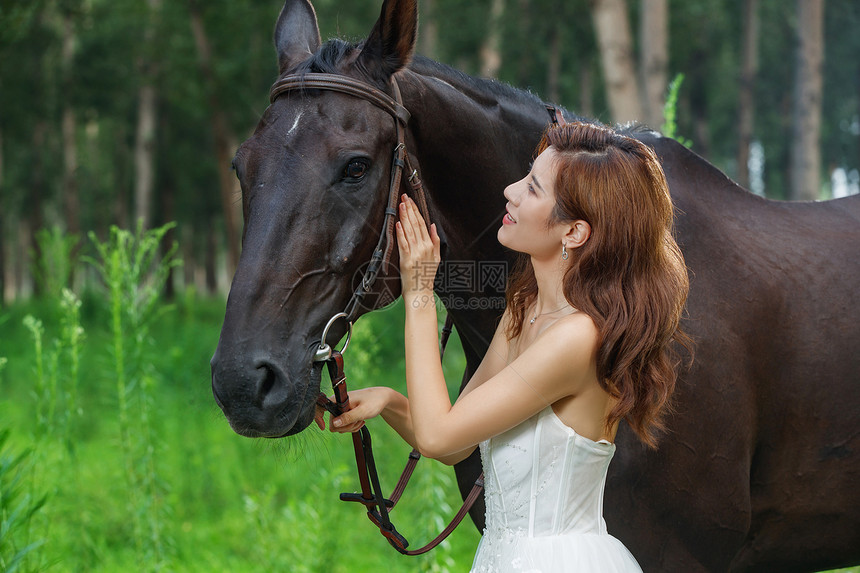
(472, 138)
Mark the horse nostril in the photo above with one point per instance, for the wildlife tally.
(268, 382)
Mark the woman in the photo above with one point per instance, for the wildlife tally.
(593, 308)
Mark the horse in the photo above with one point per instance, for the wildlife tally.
(759, 468)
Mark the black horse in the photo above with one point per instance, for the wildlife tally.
(760, 469)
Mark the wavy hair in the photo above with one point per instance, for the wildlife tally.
(629, 277)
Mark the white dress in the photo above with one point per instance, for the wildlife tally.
(544, 494)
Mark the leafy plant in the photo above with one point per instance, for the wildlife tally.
(57, 367)
(17, 508)
(134, 273)
(670, 111)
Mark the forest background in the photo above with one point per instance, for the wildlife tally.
(118, 110)
(118, 123)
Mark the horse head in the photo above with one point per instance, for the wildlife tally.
(315, 179)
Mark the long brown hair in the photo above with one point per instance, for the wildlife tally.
(629, 277)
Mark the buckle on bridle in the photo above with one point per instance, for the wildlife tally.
(324, 351)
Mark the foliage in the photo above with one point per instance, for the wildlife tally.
(670, 110)
(18, 506)
(234, 503)
(135, 275)
(101, 88)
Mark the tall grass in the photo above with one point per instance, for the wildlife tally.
(134, 272)
(140, 471)
(18, 506)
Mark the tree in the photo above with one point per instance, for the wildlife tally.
(746, 103)
(225, 141)
(491, 56)
(428, 37)
(71, 197)
(805, 170)
(615, 43)
(144, 153)
(654, 59)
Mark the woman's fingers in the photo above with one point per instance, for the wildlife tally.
(408, 223)
(418, 224)
(319, 417)
(347, 422)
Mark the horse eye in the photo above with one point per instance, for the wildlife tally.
(355, 169)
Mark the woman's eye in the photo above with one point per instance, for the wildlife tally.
(355, 170)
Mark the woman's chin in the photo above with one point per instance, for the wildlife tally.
(500, 235)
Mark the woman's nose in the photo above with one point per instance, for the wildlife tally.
(511, 193)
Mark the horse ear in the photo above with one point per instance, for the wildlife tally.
(391, 43)
(297, 34)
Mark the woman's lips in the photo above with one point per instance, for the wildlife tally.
(508, 220)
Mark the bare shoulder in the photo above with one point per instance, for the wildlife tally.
(575, 332)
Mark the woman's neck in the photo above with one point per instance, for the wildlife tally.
(549, 275)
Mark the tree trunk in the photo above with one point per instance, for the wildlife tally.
(144, 145)
(211, 260)
(428, 38)
(746, 104)
(491, 55)
(586, 90)
(612, 30)
(805, 165)
(225, 142)
(35, 219)
(554, 64)
(525, 61)
(71, 199)
(654, 59)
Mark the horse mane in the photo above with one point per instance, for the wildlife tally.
(492, 90)
(331, 56)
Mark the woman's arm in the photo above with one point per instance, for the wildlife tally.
(393, 407)
(558, 364)
(499, 396)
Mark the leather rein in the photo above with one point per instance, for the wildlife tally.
(378, 507)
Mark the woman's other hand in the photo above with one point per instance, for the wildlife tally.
(419, 255)
(366, 403)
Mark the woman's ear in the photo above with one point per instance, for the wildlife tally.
(578, 234)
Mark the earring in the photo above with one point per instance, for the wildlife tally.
(564, 254)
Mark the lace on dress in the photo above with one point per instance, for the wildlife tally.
(544, 488)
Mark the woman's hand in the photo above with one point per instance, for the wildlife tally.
(419, 255)
(366, 403)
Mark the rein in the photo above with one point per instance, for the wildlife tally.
(372, 497)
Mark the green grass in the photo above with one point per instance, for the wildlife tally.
(224, 503)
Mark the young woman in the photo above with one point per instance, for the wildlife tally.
(584, 343)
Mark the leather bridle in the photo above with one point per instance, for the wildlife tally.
(394, 107)
(371, 496)
(378, 507)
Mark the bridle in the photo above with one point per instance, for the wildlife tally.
(371, 496)
(378, 507)
(394, 107)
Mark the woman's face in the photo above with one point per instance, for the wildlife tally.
(525, 226)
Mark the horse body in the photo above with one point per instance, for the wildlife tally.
(758, 470)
